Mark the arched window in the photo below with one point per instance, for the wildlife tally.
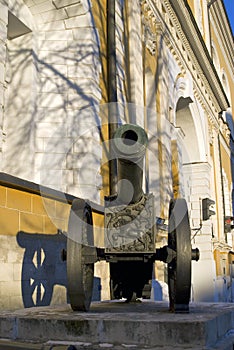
(225, 84)
(228, 114)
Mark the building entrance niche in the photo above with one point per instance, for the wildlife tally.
(184, 120)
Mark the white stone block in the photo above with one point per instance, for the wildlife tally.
(89, 97)
(195, 205)
(2, 73)
(201, 239)
(16, 301)
(4, 14)
(2, 52)
(57, 70)
(89, 87)
(17, 272)
(76, 160)
(41, 36)
(47, 130)
(79, 22)
(63, 3)
(195, 214)
(54, 15)
(52, 177)
(14, 255)
(68, 176)
(88, 176)
(81, 127)
(39, 144)
(59, 145)
(10, 288)
(200, 182)
(55, 25)
(50, 161)
(54, 45)
(195, 223)
(52, 100)
(43, 7)
(205, 255)
(198, 190)
(59, 35)
(29, 3)
(76, 10)
(55, 85)
(79, 48)
(207, 227)
(51, 115)
(84, 35)
(203, 280)
(89, 60)
(87, 151)
(6, 272)
(3, 31)
(90, 192)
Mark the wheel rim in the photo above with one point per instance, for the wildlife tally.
(179, 269)
(80, 274)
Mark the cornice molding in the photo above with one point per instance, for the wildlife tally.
(198, 49)
(149, 36)
(186, 31)
(222, 29)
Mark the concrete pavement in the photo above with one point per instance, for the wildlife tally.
(120, 326)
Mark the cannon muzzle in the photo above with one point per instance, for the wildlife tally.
(129, 143)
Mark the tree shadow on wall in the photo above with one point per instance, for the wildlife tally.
(42, 266)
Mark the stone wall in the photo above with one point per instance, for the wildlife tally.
(32, 271)
(33, 231)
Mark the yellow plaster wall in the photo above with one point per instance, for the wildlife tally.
(23, 211)
(191, 4)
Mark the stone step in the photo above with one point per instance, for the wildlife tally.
(119, 326)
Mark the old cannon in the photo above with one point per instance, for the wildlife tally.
(130, 235)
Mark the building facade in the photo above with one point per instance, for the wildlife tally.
(167, 66)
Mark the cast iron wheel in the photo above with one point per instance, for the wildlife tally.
(179, 269)
(80, 273)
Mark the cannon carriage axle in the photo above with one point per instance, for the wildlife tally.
(130, 235)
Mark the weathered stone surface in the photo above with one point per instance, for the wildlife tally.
(141, 325)
(63, 3)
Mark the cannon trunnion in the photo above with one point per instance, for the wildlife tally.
(130, 230)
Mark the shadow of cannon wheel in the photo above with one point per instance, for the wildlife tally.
(43, 266)
(37, 288)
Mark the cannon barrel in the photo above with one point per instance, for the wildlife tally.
(129, 143)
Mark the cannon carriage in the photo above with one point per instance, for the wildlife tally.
(130, 235)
